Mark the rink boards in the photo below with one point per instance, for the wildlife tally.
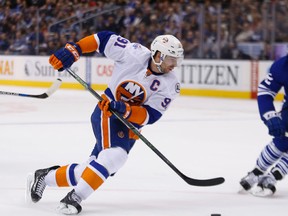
(216, 78)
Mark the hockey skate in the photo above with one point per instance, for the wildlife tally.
(70, 204)
(265, 187)
(248, 181)
(36, 184)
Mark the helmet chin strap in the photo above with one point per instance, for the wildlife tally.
(159, 68)
(158, 65)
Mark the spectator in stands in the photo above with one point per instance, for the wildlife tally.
(19, 45)
(4, 43)
(246, 33)
(191, 44)
(243, 21)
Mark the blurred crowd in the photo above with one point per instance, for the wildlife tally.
(207, 28)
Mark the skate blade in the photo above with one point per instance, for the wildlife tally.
(66, 209)
(29, 182)
(241, 190)
(261, 192)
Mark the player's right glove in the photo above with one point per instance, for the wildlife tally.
(274, 123)
(65, 57)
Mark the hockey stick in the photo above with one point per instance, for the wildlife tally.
(49, 92)
(190, 181)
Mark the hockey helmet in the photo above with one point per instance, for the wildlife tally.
(169, 46)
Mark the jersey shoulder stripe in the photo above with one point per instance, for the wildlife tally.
(103, 37)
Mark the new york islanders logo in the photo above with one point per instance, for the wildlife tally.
(131, 92)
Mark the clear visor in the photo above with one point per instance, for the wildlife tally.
(175, 61)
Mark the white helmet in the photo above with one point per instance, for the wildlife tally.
(167, 45)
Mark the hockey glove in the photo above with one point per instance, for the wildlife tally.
(119, 106)
(274, 123)
(65, 57)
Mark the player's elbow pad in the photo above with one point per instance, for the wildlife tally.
(143, 115)
(138, 115)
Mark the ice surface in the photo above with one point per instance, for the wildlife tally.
(202, 137)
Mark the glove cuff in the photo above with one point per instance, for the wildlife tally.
(76, 45)
(128, 111)
(74, 49)
(271, 114)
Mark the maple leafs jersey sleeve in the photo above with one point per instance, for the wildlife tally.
(271, 85)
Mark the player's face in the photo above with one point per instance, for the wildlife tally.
(169, 63)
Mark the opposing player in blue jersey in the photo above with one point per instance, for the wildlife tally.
(142, 87)
(272, 164)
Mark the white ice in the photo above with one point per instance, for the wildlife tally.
(202, 137)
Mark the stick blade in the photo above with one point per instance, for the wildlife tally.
(56, 84)
(54, 87)
(204, 182)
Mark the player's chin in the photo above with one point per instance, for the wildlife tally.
(168, 70)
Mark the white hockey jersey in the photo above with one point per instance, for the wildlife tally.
(132, 80)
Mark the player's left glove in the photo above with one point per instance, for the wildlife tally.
(274, 123)
(119, 106)
(65, 57)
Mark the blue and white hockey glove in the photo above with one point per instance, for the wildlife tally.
(274, 123)
(65, 57)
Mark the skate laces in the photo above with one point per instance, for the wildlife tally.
(40, 186)
(75, 197)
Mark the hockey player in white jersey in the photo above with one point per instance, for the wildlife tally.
(142, 86)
